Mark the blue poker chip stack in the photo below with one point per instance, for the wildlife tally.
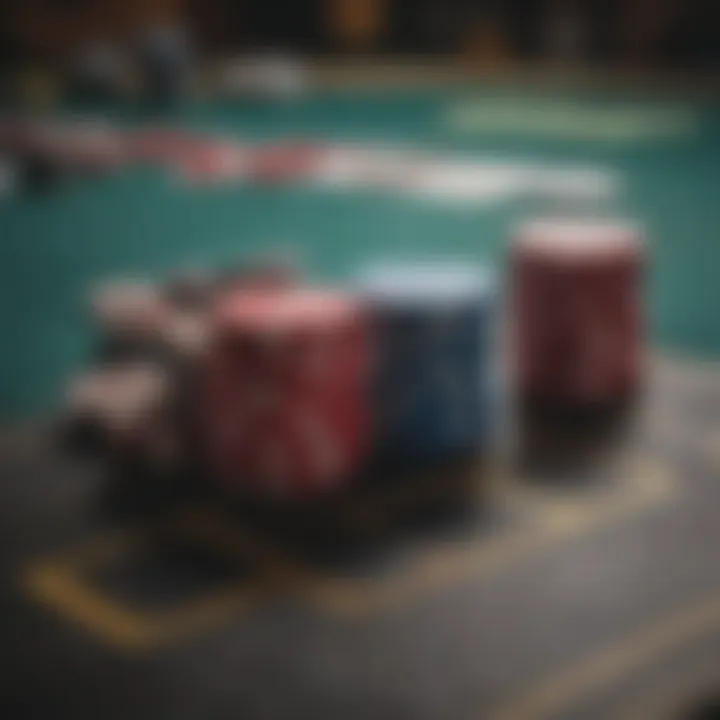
(433, 357)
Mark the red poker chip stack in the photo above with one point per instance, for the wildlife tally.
(578, 326)
(282, 391)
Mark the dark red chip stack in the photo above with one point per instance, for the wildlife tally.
(283, 396)
(576, 300)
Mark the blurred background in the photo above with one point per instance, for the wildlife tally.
(638, 34)
(148, 149)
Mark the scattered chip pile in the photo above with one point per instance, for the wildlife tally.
(136, 403)
(51, 151)
(128, 410)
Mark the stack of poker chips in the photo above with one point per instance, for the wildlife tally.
(125, 409)
(283, 402)
(286, 390)
(578, 331)
(433, 357)
(132, 313)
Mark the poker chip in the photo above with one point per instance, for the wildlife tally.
(577, 313)
(186, 335)
(340, 166)
(46, 153)
(131, 311)
(195, 158)
(432, 364)
(165, 145)
(349, 165)
(284, 162)
(456, 181)
(93, 146)
(282, 391)
(123, 403)
(214, 162)
(192, 289)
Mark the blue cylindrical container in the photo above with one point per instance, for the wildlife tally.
(434, 331)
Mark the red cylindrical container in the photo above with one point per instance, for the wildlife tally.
(577, 311)
(283, 390)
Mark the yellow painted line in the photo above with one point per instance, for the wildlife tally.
(58, 587)
(614, 661)
(209, 612)
(650, 486)
(117, 625)
(59, 583)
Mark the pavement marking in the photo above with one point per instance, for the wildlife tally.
(599, 668)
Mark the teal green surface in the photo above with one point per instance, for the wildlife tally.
(54, 247)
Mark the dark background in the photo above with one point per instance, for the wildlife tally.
(677, 34)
